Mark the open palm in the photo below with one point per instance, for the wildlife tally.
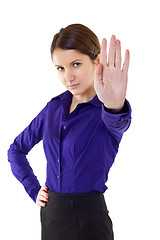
(110, 81)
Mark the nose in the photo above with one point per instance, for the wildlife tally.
(69, 77)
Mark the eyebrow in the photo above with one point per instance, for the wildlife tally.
(70, 63)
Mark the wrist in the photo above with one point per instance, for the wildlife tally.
(114, 110)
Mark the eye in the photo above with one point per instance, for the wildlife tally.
(76, 64)
(60, 68)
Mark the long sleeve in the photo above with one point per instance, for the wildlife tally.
(18, 150)
(117, 123)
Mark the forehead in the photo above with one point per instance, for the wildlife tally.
(61, 56)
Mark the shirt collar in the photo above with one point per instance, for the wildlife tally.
(67, 96)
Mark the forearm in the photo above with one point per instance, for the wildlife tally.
(22, 170)
(117, 122)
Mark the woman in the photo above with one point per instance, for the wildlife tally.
(81, 130)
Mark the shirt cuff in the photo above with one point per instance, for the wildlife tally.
(123, 110)
(117, 123)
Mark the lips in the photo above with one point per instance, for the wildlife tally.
(73, 86)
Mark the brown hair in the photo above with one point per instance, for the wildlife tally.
(78, 37)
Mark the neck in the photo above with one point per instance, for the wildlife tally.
(83, 98)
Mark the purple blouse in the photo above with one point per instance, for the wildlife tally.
(80, 147)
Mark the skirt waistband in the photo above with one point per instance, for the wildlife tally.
(75, 195)
(64, 205)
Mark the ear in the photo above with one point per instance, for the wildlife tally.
(97, 59)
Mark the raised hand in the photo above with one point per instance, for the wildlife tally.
(110, 81)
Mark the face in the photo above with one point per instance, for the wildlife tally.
(77, 69)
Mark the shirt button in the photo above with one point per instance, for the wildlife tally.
(64, 127)
(58, 160)
(57, 176)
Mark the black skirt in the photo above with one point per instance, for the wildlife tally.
(76, 216)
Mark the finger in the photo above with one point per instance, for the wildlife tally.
(45, 188)
(98, 75)
(126, 62)
(44, 194)
(112, 51)
(43, 198)
(103, 53)
(40, 203)
(118, 54)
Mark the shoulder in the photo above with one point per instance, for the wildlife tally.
(60, 97)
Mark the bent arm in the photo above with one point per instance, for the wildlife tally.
(19, 149)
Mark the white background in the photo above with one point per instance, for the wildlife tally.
(28, 80)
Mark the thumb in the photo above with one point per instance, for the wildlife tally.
(98, 74)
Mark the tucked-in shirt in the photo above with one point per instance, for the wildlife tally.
(80, 147)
